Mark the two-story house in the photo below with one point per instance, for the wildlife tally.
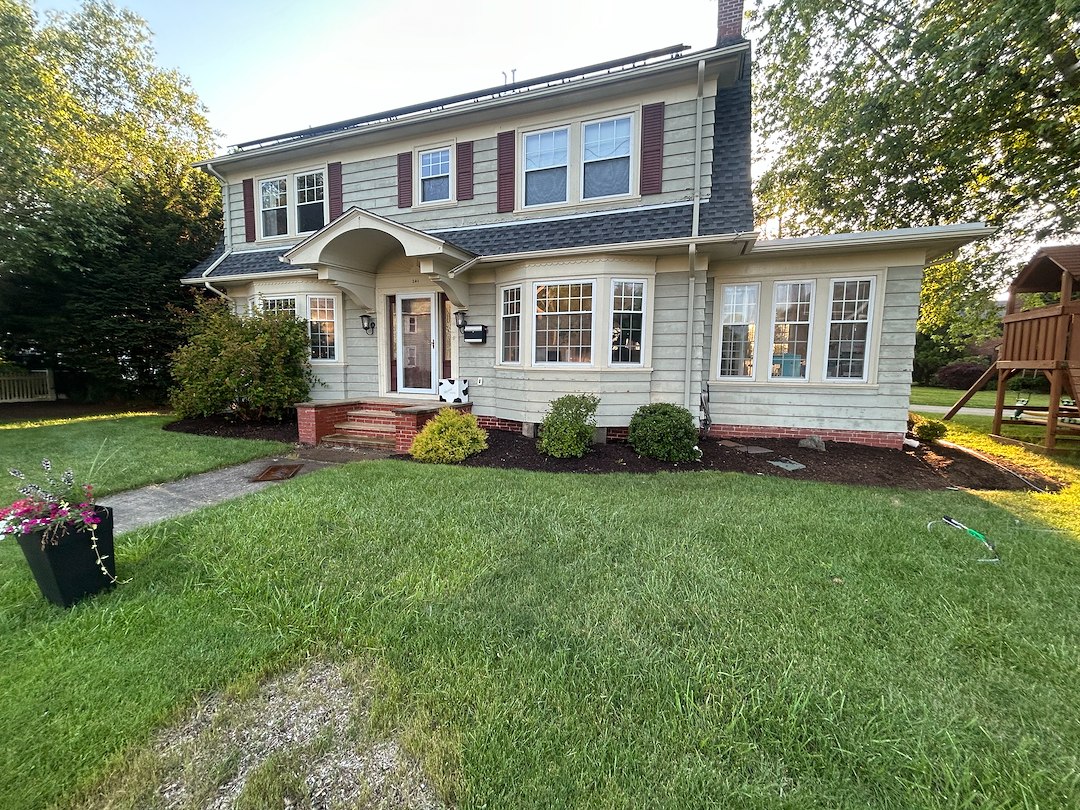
(586, 232)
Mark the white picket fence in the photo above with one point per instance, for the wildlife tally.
(26, 386)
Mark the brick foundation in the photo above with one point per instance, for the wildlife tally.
(495, 423)
(892, 441)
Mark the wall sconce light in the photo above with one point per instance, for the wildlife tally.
(368, 323)
(459, 319)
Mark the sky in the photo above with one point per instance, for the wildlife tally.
(264, 68)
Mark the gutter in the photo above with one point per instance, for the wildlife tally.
(694, 229)
(226, 201)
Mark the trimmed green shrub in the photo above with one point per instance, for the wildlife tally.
(664, 431)
(927, 430)
(449, 437)
(567, 430)
(254, 366)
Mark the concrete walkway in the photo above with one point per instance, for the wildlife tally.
(147, 505)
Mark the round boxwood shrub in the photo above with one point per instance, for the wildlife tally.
(449, 437)
(665, 432)
(567, 430)
(927, 430)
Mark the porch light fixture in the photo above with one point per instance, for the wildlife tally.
(459, 319)
(368, 323)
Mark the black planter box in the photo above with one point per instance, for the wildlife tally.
(69, 571)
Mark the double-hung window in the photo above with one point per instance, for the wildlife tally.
(627, 321)
(546, 166)
(274, 202)
(510, 325)
(738, 328)
(321, 314)
(849, 328)
(606, 158)
(563, 322)
(292, 204)
(793, 303)
(310, 196)
(435, 175)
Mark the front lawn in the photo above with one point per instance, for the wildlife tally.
(118, 451)
(541, 640)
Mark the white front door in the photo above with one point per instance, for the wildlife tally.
(417, 344)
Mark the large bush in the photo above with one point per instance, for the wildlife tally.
(567, 430)
(449, 437)
(253, 366)
(664, 431)
(960, 375)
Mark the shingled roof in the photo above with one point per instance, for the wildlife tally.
(1043, 271)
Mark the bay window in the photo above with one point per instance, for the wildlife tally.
(510, 325)
(627, 321)
(320, 312)
(563, 322)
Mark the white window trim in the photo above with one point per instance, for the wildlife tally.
(533, 363)
(611, 319)
(754, 364)
(522, 310)
(634, 138)
(291, 200)
(810, 332)
(418, 181)
(302, 308)
(871, 317)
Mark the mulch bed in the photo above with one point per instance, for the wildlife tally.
(925, 468)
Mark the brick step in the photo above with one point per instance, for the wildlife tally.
(371, 413)
(352, 440)
(371, 427)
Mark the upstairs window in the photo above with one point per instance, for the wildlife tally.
(274, 201)
(310, 194)
(435, 175)
(545, 166)
(606, 160)
(292, 204)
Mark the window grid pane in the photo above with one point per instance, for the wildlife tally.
(435, 175)
(738, 318)
(627, 317)
(545, 167)
(285, 305)
(273, 198)
(563, 323)
(849, 325)
(791, 328)
(511, 325)
(321, 328)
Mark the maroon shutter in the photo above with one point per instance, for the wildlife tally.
(333, 180)
(652, 148)
(465, 170)
(506, 172)
(249, 210)
(404, 180)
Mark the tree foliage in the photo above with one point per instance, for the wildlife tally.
(880, 115)
(100, 212)
(918, 113)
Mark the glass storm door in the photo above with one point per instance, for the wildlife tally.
(417, 344)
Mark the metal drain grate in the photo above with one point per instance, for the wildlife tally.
(278, 472)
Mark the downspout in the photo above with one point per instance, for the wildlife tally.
(226, 201)
(695, 227)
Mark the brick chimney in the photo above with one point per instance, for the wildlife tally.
(729, 17)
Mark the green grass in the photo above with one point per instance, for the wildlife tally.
(539, 640)
(947, 397)
(130, 450)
